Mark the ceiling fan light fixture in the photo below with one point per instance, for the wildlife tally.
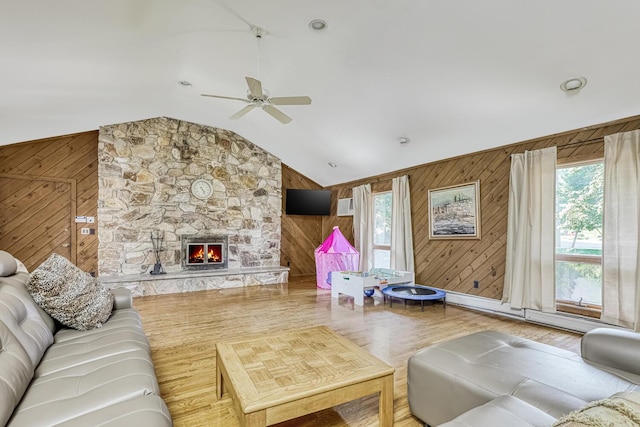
(573, 84)
(318, 25)
(257, 97)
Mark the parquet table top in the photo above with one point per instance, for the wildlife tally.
(275, 369)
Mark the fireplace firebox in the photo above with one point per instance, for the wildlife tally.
(204, 252)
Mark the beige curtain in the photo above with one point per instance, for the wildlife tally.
(529, 280)
(363, 225)
(620, 260)
(401, 234)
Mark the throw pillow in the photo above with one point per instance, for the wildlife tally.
(620, 410)
(8, 264)
(69, 295)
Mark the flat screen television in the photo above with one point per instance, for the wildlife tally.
(308, 202)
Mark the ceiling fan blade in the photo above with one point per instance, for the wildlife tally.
(242, 112)
(255, 87)
(225, 97)
(279, 115)
(290, 100)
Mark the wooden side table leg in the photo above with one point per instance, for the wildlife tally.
(219, 378)
(254, 419)
(385, 404)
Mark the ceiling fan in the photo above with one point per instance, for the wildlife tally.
(257, 97)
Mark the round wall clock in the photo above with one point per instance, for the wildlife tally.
(202, 189)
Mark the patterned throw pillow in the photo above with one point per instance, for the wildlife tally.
(70, 295)
(620, 410)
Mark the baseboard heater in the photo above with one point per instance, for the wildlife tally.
(557, 320)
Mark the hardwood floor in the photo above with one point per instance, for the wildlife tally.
(183, 330)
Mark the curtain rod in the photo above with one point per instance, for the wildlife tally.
(587, 141)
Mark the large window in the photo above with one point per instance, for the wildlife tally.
(579, 206)
(382, 230)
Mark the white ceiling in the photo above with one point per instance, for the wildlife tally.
(454, 76)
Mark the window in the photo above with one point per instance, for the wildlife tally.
(579, 206)
(382, 230)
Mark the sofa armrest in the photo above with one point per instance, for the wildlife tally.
(614, 348)
(122, 298)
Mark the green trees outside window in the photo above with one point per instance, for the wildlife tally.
(579, 206)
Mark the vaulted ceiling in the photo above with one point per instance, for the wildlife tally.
(453, 76)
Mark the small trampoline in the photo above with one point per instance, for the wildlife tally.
(414, 293)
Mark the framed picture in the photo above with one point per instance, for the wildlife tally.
(454, 212)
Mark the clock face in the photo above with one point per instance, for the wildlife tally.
(202, 189)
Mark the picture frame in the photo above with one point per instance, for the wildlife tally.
(454, 211)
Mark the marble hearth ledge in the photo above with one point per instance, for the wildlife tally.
(191, 281)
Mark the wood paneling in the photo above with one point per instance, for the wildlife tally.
(301, 234)
(455, 264)
(48, 203)
(183, 330)
(44, 184)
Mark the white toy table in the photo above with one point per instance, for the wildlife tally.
(354, 283)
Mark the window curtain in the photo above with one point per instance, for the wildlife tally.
(621, 295)
(363, 225)
(401, 234)
(529, 280)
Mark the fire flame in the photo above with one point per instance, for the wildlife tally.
(212, 256)
(197, 254)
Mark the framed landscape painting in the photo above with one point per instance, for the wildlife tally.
(454, 212)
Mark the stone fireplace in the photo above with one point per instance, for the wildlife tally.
(146, 170)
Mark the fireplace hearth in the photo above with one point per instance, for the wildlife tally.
(204, 252)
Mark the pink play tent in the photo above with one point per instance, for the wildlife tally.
(334, 254)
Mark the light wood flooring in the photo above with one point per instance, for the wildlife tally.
(183, 330)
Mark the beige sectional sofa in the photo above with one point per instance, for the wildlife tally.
(51, 375)
(493, 379)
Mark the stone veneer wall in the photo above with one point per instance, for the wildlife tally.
(145, 172)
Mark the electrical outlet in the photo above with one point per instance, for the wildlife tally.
(91, 219)
(84, 230)
(476, 283)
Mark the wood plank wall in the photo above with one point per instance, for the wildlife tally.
(72, 159)
(452, 265)
(301, 234)
(455, 264)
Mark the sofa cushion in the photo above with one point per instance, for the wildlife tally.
(17, 283)
(8, 264)
(120, 320)
(90, 348)
(70, 295)
(66, 394)
(452, 377)
(16, 371)
(137, 412)
(621, 409)
(25, 324)
(503, 411)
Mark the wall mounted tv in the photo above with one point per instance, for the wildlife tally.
(308, 202)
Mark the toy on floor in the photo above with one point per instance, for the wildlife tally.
(334, 254)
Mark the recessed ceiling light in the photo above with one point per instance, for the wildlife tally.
(184, 83)
(403, 140)
(318, 25)
(333, 165)
(573, 84)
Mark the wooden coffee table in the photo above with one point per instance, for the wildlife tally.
(277, 377)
